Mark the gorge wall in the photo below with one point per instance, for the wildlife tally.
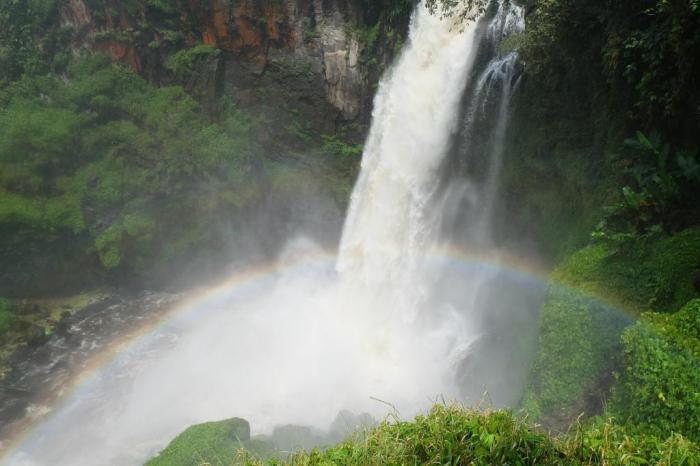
(322, 39)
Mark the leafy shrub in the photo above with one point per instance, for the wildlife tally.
(21, 43)
(606, 443)
(651, 54)
(642, 54)
(183, 62)
(336, 148)
(659, 390)
(164, 6)
(660, 195)
(466, 10)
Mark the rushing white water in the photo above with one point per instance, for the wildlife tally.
(489, 99)
(300, 347)
(389, 223)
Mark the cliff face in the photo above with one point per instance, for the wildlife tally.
(322, 36)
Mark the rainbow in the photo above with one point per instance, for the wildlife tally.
(249, 278)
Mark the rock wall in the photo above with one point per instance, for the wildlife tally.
(321, 35)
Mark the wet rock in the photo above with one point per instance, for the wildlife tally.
(239, 429)
(63, 325)
(36, 336)
(347, 422)
(45, 367)
(295, 438)
(257, 32)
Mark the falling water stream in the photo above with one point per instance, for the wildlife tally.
(397, 316)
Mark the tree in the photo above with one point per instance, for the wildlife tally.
(464, 10)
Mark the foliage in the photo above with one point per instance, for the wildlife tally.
(309, 33)
(564, 126)
(343, 156)
(651, 56)
(464, 10)
(643, 54)
(334, 147)
(382, 32)
(606, 443)
(396, 11)
(390, 12)
(22, 47)
(596, 72)
(659, 390)
(183, 62)
(661, 193)
(106, 155)
(163, 6)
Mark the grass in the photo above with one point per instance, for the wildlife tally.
(452, 435)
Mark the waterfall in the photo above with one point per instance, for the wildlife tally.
(389, 320)
(439, 98)
(485, 121)
(388, 226)
(498, 308)
(391, 219)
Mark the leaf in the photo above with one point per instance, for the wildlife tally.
(644, 141)
(690, 169)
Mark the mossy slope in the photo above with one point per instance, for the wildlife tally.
(595, 294)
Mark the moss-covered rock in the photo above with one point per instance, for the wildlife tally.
(214, 443)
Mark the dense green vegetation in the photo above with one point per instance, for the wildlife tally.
(451, 435)
(101, 156)
(183, 63)
(596, 293)
(25, 45)
(659, 388)
(606, 122)
(615, 86)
